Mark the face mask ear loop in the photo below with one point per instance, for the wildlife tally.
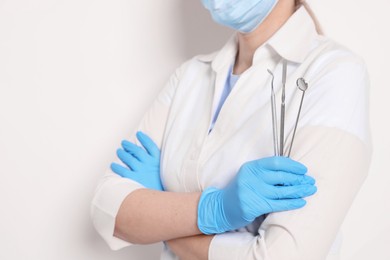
(313, 16)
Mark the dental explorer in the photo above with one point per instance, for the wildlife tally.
(274, 116)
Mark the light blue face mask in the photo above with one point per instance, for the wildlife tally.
(241, 15)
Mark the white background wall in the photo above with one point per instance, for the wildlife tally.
(76, 77)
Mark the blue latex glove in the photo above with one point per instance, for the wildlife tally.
(143, 164)
(260, 187)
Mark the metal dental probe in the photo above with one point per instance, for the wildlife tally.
(274, 116)
(283, 108)
(302, 85)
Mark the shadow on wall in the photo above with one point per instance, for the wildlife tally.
(201, 34)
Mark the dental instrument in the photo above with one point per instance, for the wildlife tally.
(283, 108)
(274, 116)
(302, 85)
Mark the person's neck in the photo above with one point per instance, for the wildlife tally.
(248, 43)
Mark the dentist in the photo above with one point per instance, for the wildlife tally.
(197, 172)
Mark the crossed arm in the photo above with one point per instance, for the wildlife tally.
(151, 215)
(158, 214)
(171, 217)
(157, 218)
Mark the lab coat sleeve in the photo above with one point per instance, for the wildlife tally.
(113, 189)
(337, 155)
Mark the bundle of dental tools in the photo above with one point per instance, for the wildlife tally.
(278, 134)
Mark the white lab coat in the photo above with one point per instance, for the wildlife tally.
(332, 140)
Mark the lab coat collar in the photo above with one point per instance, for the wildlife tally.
(294, 39)
(292, 42)
(224, 57)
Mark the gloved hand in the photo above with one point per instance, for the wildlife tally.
(260, 187)
(143, 164)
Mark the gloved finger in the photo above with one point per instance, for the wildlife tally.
(128, 159)
(290, 192)
(126, 173)
(280, 163)
(148, 144)
(119, 169)
(286, 178)
(135, 150)
(287, 204)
